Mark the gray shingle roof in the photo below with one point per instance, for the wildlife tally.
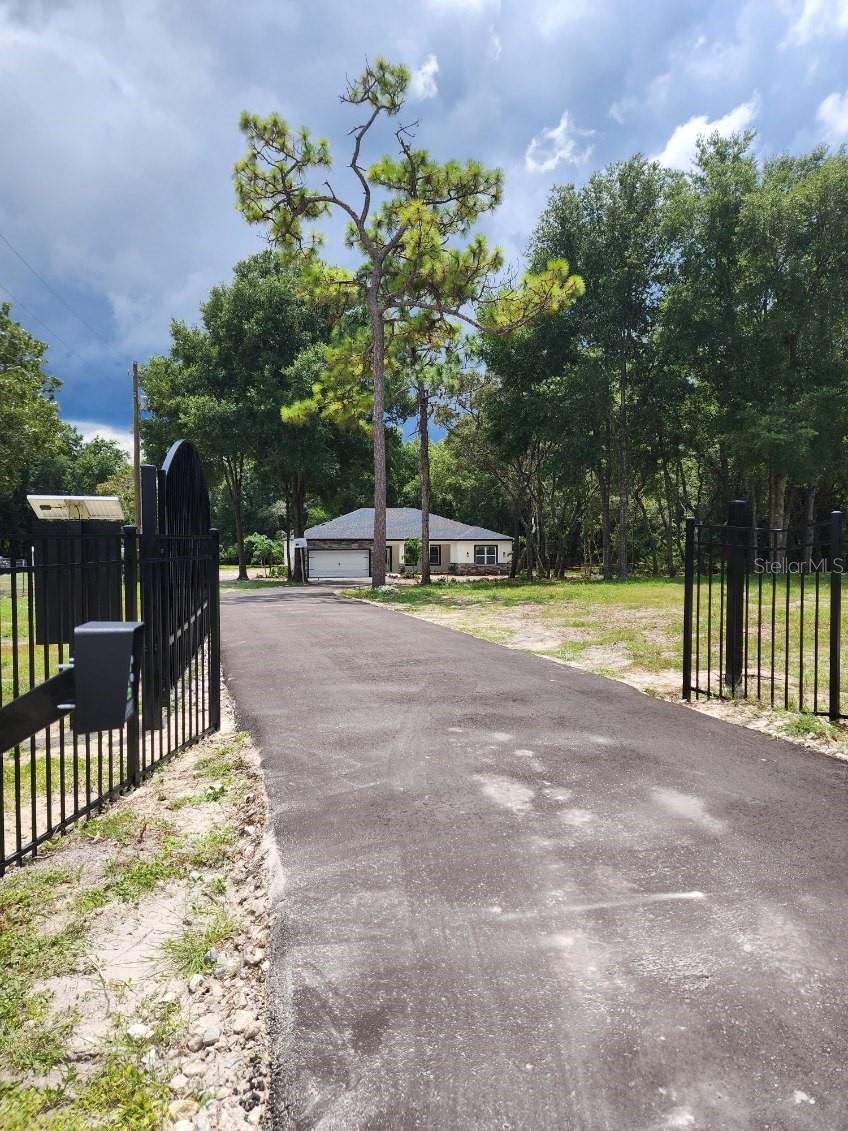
(402, 522)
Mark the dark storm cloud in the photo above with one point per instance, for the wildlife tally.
(119, 126)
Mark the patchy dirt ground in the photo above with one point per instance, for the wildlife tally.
(132, 958)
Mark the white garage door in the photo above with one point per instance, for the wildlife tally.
(338, 563)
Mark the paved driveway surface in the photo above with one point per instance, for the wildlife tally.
(519, 896)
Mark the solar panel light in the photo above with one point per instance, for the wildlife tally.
(76, 508)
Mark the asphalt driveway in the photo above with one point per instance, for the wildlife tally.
(519, 896)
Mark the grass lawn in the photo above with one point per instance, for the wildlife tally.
(632, 631)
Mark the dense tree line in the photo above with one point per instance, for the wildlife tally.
(39, 452)
(707, 360)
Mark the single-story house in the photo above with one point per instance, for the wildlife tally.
(341, 547)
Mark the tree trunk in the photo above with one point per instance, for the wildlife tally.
(542, 538)
(299, 520)
(424, 435)
(530, 535)
(777, 504)
(288, 533)
(378, 550)
(652, 538)
(809, 521)
(751, 493)
(724, 478)
(233, 476)
(516, 542)
(672, 514)
(622, 472)
(606, 522)
(242, 560)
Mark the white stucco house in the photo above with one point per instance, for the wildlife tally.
(341, 547)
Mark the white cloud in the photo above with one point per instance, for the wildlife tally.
(423, 84)
(556, 145)
(91, 428)
(470, 6)
(619, 110)
(818, 18)
(679, 151)
(495, 45)
(833, 116)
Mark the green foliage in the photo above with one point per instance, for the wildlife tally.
(28, 416)
(412, 551)
(705, 361)
(213, 847)
(264, 551)
(188, 951)
(415, 280)
(96, 462)
(225, 380)
(121, 483)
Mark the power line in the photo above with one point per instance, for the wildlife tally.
(56, 295)
(49, 329)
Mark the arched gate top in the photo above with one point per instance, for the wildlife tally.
(183, 493)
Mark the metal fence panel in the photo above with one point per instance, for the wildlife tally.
(763, 613)
(50, 583)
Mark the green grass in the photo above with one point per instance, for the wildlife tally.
(568, 597)
(123, 827)
(212, 848)
(221, 766)
(32, 659)
(33, 1039)
(45, 919)
(187, 950)
(132, 881)
(119, 1097)
(810, 726)
(42, 765)
(27, 900)
(123, 1095)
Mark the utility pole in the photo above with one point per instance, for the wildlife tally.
(136, 447)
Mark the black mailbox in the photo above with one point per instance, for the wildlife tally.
(107, 663)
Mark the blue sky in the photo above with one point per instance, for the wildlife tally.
(119, 129)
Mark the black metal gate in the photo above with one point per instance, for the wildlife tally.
(166, 575)
(762, 614)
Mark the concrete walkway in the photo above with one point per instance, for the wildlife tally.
(519, 896)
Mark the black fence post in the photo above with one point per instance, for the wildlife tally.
(130, 573)
(214, 632)
(688, 588)
(131, 613)
(837, 528)
(736, 546)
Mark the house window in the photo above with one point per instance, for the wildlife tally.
(435, 555)
(485, 555)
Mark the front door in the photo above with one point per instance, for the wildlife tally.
(389, 560)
